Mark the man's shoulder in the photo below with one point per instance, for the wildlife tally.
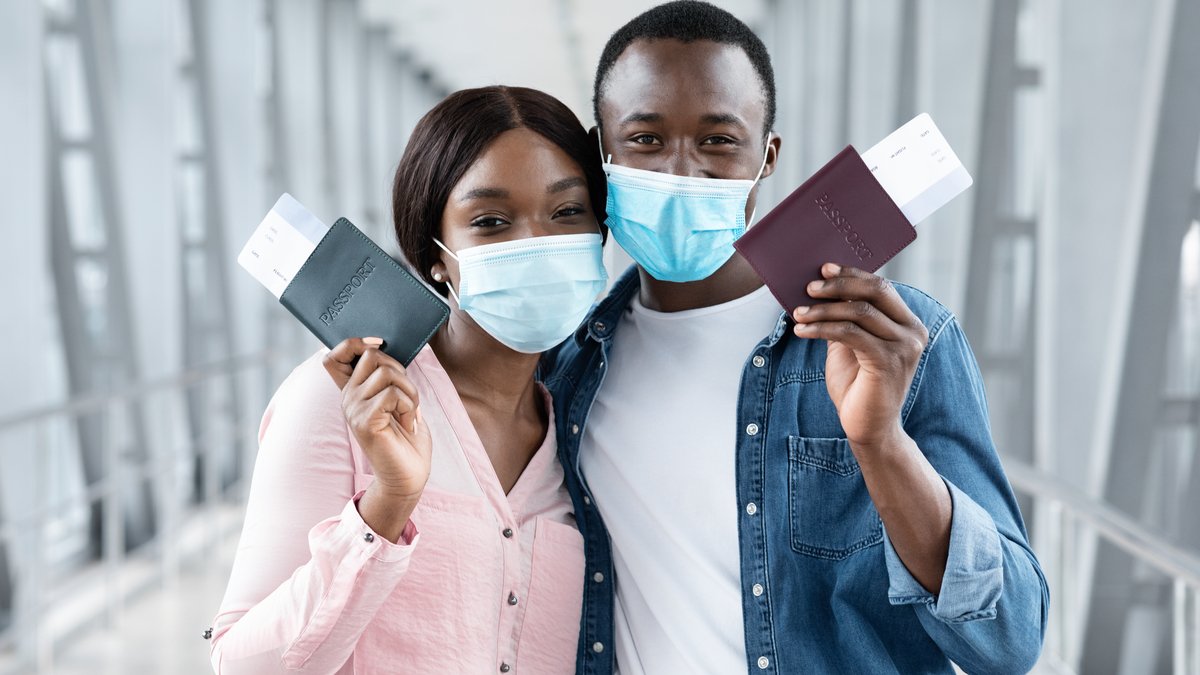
(932, 313)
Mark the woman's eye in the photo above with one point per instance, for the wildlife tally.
(487, 221)
(569, 211)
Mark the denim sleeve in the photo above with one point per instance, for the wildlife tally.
(990, 616)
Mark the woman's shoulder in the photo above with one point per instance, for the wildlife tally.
(307, 401)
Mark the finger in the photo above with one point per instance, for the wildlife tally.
(367, 363)
(851, 283)
(388, 373)
(339, 361)
(399, 405)
(863, 313)
(847, 333)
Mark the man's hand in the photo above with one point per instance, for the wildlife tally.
(875, 344)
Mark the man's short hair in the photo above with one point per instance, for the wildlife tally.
(688, 21)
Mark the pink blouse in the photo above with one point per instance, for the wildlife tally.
(482, 582)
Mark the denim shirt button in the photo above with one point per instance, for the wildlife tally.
(751, 508)
(598, 577)
(574, 428)
(597, 647)
(757, 589)
(752, 429)
(759, 361)
(763, 662)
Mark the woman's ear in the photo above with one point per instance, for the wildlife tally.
(438, 272)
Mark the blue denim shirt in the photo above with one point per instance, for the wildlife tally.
(837, 598)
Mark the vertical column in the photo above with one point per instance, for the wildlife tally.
(1123, 616)
(206, 299)
(88, 253)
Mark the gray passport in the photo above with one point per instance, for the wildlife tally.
(349, 287)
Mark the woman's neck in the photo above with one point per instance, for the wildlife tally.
(483, 370)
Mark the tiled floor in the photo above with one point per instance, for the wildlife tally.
(160, 633)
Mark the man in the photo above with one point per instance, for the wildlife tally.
(810, 491)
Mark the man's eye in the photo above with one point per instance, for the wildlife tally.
(644, 139)
(718, 140)
(487, 221)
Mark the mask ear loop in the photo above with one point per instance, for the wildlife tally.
(761, 168)
(449, 286)
(600, 145)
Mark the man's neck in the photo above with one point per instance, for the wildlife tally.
(735, 279)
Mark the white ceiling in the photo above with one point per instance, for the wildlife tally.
(552, 45)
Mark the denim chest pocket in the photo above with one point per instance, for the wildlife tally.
(831, 512)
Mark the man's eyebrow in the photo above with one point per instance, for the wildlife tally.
(485, 193)
(642, 117)
(723, 118)
(565, 184)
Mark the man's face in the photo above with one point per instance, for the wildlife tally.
(688, 109)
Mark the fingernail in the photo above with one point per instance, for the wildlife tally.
(816, 286)
(801, 310)
(834, 268)
(373, 341)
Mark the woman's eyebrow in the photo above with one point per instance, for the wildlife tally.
(485, 193)
(565, 184)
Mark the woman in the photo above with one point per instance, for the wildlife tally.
(415, 520)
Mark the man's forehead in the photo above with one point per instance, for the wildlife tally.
(700, 81)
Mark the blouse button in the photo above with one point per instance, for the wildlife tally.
(368, 537)
(508, 533)
(504, 667)
(512, 598)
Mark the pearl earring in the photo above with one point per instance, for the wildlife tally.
(437, 276)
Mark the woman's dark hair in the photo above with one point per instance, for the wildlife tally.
(448, 140)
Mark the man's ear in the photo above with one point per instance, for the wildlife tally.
(773, 143)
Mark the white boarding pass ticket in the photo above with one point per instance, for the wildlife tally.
(917, 168)
(281, 244)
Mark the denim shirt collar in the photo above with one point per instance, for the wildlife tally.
(606, 314)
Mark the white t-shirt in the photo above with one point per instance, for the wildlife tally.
(658, 454)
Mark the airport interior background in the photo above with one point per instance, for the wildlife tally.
(143, 140)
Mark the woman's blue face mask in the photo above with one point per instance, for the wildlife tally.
(678, 228)
(530, 294)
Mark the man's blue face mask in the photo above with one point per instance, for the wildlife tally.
(678, 228)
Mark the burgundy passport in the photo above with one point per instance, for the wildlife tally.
(840, 215)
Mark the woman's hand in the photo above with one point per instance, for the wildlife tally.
(381, 406)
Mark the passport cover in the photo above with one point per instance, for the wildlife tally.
(349, 287)
(840, 215)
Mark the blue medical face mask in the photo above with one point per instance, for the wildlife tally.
(678, 228)
(530, 294)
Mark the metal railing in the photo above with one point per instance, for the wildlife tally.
(50, 609)
(61, 590)
(1066, 520)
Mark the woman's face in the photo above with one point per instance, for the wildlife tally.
(521, 186)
